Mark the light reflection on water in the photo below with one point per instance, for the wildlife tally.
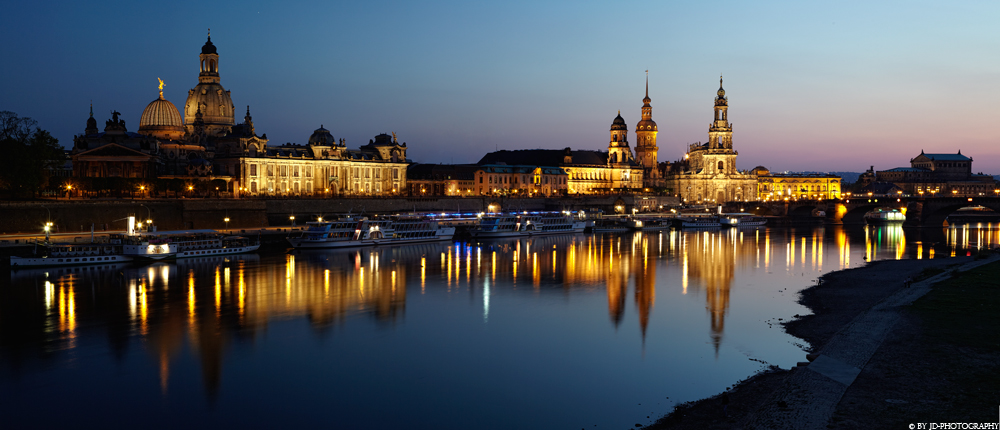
(557, 331)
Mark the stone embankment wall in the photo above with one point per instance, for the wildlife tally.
(176, 214)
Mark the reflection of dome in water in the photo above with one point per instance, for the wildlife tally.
(161, 120)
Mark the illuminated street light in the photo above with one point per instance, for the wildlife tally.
(226, 219)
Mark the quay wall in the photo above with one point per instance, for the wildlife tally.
(177, 214)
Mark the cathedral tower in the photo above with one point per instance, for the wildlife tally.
(720, 134)
(720, 158)
(645, 132)
(618, 150)
(216, 106)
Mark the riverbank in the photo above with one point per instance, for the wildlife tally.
(882, 395)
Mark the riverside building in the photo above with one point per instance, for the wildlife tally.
(708, 173)
(207, 143)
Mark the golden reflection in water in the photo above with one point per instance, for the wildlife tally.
(326, 291)
(191, 301)
(143, 308)
(49, 291)
(242, 293)
(218, 292)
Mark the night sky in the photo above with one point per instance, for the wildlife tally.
(813, 86)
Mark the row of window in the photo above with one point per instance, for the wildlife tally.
(307, 171)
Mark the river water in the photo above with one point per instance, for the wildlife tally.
(591, 331)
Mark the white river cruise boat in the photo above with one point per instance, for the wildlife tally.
(150, 246)
(505, 225)
(699, 222)
(117, 248)
(742, 220)
(552, 223)
(352, 232)
(201, 243)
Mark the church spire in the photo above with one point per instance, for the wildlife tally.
(647, 84)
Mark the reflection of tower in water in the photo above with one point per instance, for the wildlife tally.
(711, 258)
(645, 281)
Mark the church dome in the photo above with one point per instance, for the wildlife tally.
(208, 48)
(619, 123)
(216, 105)
(322, 137)
(760, 171)
(162, 120)
(646, 125)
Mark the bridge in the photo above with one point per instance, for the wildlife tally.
(920, 211)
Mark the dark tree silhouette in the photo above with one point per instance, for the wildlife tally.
(28, 152)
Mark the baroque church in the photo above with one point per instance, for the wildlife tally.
(708, 173)
(207, 143)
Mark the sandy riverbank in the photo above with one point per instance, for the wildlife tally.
(835, 301)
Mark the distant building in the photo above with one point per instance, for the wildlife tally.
(934, 175)
(796, 186)
(708, 173)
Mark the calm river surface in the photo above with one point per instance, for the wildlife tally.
(561, 332)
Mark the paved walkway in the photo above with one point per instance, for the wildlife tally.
(810, 395)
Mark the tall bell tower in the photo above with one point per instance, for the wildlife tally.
(645, 131)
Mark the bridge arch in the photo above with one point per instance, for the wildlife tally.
(855, 213)
(934, 213)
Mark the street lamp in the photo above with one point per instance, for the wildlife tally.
(292, 219)
(47, 228)
(226, 219)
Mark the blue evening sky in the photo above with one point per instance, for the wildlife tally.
(812, 85)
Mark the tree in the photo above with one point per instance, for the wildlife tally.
(28, 153)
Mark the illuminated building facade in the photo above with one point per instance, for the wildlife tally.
(322, 168)
(492, 179)
(708, 172)
(206, 143)
(587, 172)
(933, 175)
(441, 179)
(796, 186)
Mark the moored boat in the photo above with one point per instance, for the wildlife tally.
(885, 216)
(354, 232)
(741, 219)
(699, 222)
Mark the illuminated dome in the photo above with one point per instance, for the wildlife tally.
(646, 124)
(322, 137)
(161, 119)
(619, 123)
(760, 171)
(217, 109)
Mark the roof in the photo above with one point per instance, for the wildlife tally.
(545, 157)
(907, 169)
(881, 188)
(947, 157)
(503, 168)
(441, 171)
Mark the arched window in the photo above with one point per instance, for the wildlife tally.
(722, 165)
